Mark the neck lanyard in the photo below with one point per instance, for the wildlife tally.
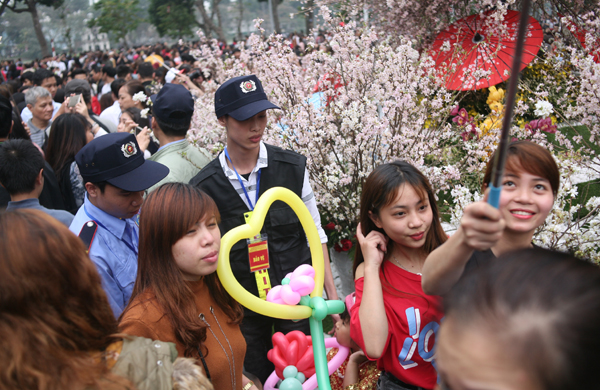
(242, 183)
(134, 250)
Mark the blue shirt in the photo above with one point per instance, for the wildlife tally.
(113, 251)
(62, 216)
(170, 143)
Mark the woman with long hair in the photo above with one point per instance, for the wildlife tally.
(57, 330)
(392, 319)
(529, 187)
(177, 295)
(68, 134)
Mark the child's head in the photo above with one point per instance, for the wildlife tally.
(342, 330)
(529, 186)
(342, 327)
(527, 321)
(390, 195)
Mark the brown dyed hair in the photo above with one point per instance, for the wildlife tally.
(166, 216)
(545, 305)
(527, 156)
(381, 188)
(53, 311)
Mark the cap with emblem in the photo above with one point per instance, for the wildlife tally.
(173, 104)
(241, 98)
(117, 159)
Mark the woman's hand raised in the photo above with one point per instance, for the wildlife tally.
(373, 246)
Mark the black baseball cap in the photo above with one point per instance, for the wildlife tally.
(241, 98)
(117, 159)
(173, 104)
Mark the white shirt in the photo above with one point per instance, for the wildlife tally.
(308, 197)
(105, 89)
(112, 113)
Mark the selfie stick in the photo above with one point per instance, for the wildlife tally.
(500, 155)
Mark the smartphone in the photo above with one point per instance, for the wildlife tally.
(73, 100)
(137, 130)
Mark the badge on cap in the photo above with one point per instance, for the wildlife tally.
(129, 149)
(248, 86)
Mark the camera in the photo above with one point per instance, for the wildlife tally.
(73, 100)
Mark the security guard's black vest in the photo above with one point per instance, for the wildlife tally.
(287, 242)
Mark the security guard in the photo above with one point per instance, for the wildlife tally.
(235, 179)
(115, 175)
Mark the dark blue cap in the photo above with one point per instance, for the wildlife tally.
(173, 104)
(241, 98)
(117, 159)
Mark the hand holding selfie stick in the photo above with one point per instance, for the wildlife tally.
(500, 155)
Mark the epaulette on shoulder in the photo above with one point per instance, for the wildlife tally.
(87, 234)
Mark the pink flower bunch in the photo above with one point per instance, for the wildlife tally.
(390, 105)
(462, 118)
(541, 124)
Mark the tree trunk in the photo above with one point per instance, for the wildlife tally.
(219, 26)
(38, 27)
(276, 27)
(3, 4)
(208, 25)
(309, 16)
(240, 19)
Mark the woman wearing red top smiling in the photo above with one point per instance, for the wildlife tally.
(530, 184)
(393, 321)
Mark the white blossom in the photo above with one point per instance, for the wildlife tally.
(139, 97)
(543, 109)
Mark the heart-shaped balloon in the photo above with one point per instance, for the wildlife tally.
(251, 229)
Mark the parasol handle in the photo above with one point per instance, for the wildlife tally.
(494, 196)
(500, 155)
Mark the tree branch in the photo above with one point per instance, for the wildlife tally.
(14, 8)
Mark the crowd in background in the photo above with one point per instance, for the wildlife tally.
(66, 67)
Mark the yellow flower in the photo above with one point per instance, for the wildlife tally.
(496, 107)
(496, 95)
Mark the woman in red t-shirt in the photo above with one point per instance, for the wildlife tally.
(393, 321)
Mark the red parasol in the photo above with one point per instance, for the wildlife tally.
(580, 34)
(469, 48)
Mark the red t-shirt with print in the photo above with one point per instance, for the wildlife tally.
(413, 321)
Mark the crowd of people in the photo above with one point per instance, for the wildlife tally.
(111, 236)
